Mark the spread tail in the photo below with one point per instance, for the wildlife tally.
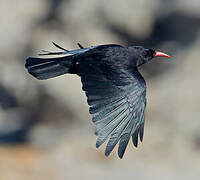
(45, 68)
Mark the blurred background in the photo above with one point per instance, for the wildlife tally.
(46, 131)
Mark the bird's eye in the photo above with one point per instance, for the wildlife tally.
(149, 53)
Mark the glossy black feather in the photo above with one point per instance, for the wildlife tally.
(45, 68)
(135, 138)
(115, 90)
(116, 96)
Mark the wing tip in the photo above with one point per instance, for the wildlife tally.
(107, 153)
(135, 138)
(141, 132)
(120, 155)
(123, 145)
(98, 144)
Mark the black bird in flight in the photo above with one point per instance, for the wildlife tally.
(115, 90)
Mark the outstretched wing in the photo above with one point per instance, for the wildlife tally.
(117, 101)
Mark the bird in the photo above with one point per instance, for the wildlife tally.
(115, 89)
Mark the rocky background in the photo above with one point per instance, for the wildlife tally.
(46, 131)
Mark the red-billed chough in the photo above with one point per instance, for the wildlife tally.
(115, 90)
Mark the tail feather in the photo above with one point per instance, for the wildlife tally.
(45, 68)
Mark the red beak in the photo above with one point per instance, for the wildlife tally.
(161, 54)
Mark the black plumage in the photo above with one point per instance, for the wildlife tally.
(115, 90)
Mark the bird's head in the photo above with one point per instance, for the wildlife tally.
(141, 55)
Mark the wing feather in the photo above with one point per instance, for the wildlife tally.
(117, 101)
(105, 133)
